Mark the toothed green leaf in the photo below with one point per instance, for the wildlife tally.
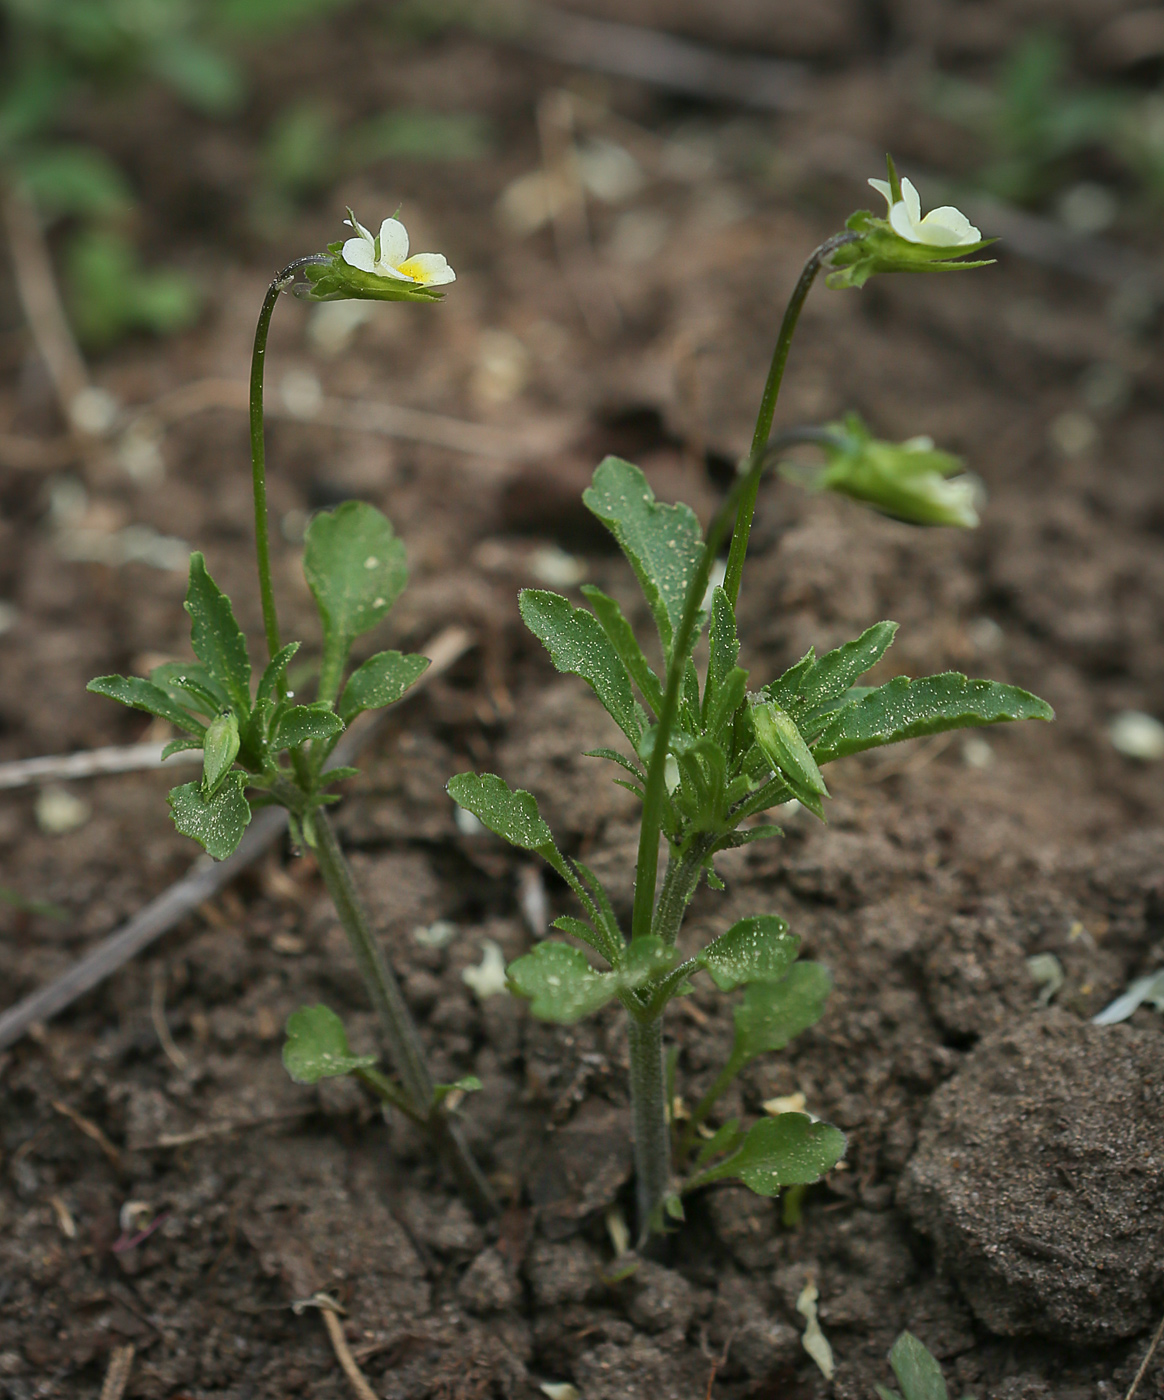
(141, 694)
(758, 949)
(216, 823)
(380, 681)
(510, 813)
(216, 637)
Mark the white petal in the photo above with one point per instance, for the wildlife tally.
(912, 200)
(353, 222)
(393, 242)
(951, 221)
(885, 190)
(358, 253)
(902, 224)
(430, 269)
(382, 269)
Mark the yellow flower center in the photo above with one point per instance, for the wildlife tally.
(410, 269)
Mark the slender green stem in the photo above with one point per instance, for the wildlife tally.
(706, 1104)
(648, 1107)
(739, 547)
(400, 1034)
(258, 452)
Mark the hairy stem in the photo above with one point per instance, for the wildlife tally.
(400, 1034)
(258, 451)
(648, 1106)
(679, 885)
(747, 505)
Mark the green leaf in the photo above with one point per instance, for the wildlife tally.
(141, 694)
(813, 686)
(567, 923)
(905, 709)
(773, 1013)
(724, 647)
(642, 960)
(380, 681)
(510, 813)
(577, 644)
(559, 983)
(77, 180)
(758, 949)
(216, 637)
(917, 1371)
(180, 746)
(190, 683)
(789, 1150)
(613, 756)
(272, 677)
(216, 823)
(663, 544)
(355, 568)
(624, 641)
(303, 722)
(220, 746)
(317, 1047)
(784, 747)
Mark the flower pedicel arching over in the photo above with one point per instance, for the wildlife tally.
(387, 255)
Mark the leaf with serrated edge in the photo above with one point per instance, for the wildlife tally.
(773, 1013)
(317, 1047)
(790, 1150)
(141, 694)
(663, 544)
(808, 691)
(577, 644)
(216, 637)
(218, 824)
(753, 950)
(905, 709)
(303, 722)
(380, 681)
(917, 1371)
(510, 813)
(559, 983)
(624, 641)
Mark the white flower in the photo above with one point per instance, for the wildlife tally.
(946, 227)
(387, 256)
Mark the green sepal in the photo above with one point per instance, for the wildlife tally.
(380, 681)
(577, 644)
(663, 544)
(304, 722)
(216, 823)
(905, 709)
(759, 949)
(509, 813)
(916, 1369)
(317, 1047)
(789, 1150)
(337, 280)
(216, 637)
(771, 1014)
(220, 746)
(614, 623)
(140, 694)
(882, 249)
(784, 747)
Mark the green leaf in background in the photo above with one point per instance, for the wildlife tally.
(783, 746)
(643, 959)
(415, 133)
(317, 1047)
(559, 983)
(622, 638)
(216, 824)
(663, 544)
(74, 180)
(759, 949)
(216, 637)
(300, 150)
(355, 568)
(304, 722)
(724, 647)
(577, 643)
(789, 1150)
(773, 1013)
(510, 813)
(220, 746)
(204, 77)
(141, 694)
(110, 293)
(380, 681)
(917, 1371)
(905, 709)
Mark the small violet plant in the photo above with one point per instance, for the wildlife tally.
(707, 756)
(261, 746)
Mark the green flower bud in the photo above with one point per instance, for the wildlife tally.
(909, 481)
(784, 747)
(219, 751)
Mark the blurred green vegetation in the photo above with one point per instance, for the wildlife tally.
(57, 56)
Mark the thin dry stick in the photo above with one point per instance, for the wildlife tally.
(1151, 1352)
(329, 1310)
(117, 1377)
(90, 1129)
(206, 877)
(161, 1027)
(93, 763)
(213, 1130)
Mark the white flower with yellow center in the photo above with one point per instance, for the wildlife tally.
(387, 255)
(946, 227)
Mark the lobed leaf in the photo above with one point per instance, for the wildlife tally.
(354, 565)
(773, 1013)
(559, 983)
(790, 1150)
(141, 694)
(380, 681)
(216, 823)
(216, 637)
(759, 949)
(317, 1047)
(577, 644)
(905, 709)
(814, 685)
(663, 544)
(510, 813)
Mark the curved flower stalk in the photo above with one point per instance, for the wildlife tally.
(707, 756)
(261, 746)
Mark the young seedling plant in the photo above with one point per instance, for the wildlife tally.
(261, 745)
(705, 755)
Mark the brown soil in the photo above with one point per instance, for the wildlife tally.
(943, 865)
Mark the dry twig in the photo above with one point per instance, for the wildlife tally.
(329, 1310)
(1147, 1361)
(161, 1026)
(90, 1129)
(92, 763)
(117, 1377)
